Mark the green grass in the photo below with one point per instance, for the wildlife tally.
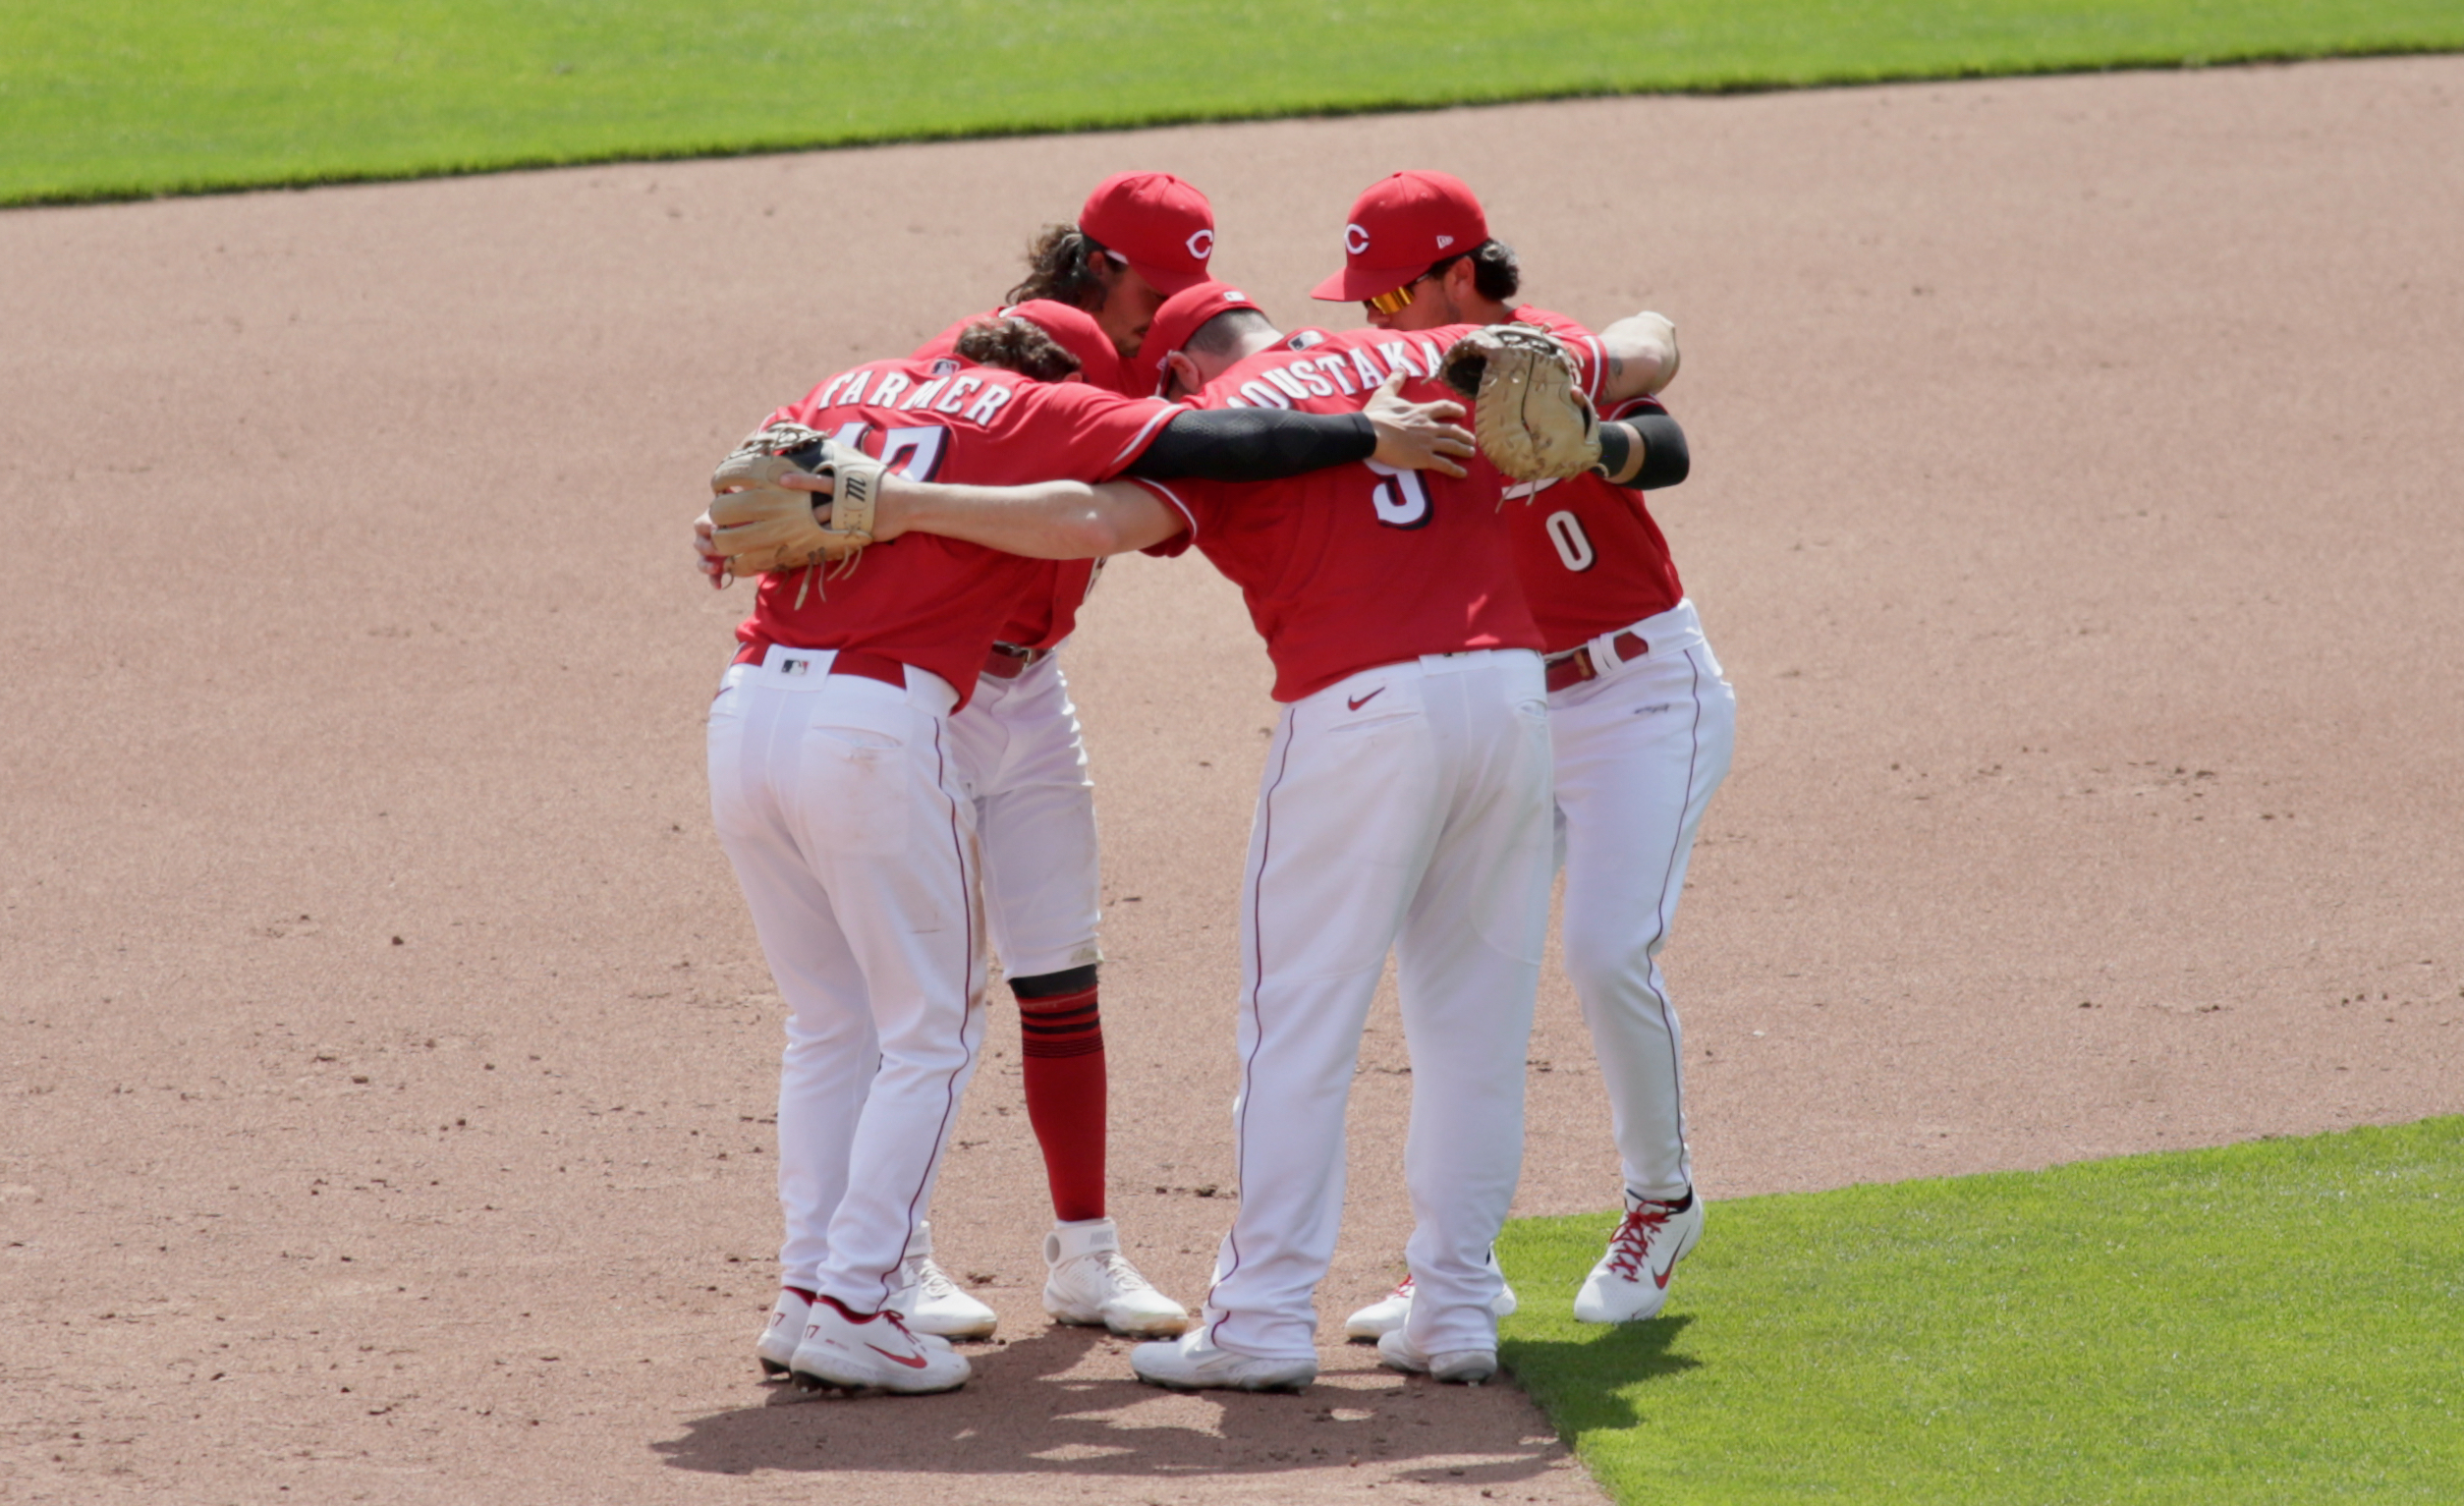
(104, 98)
(2278, 1322)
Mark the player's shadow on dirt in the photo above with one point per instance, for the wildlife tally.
(1063, 1402)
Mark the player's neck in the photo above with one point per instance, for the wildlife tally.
(1258, 340)
(1485, 310)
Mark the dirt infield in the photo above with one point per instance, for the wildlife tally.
(2074, 508)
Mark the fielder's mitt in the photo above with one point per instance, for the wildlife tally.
(762, 526)
(1528, 406)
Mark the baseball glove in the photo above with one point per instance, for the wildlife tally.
(761, 525)
(1528, 406)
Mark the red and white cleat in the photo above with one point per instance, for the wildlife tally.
(1631, 1281)
(776, 1348)
(872, 1351)
(1367, 1325)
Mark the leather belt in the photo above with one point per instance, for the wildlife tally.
(1008, 662)
(1573, 666)
(843, 661)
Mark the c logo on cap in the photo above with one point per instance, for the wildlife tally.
(1202, 244)
(1354, 239)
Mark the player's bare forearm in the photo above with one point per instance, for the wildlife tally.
(1044, 520)
(1417, 436)
(1642, 350)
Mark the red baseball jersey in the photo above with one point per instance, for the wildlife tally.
(939, 604)
(1049, 612)
(1356, 566)
(1590, 557)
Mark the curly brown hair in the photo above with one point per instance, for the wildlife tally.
(1061, 263)
(1014, 345)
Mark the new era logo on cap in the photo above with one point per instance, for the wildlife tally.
(1398, 228)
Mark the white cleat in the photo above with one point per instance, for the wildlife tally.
(1190, 1363)
(1630, 1284)
(872, 1351)
(1455, 1367)
(1392, 1310)
(931, 1302)
(1094, 1285)
(776, 1348)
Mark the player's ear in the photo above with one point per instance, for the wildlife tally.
(1181, 377)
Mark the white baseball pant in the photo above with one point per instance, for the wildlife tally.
(837, 801)
(1020, 756)
(1639, 751)
(1405, 807)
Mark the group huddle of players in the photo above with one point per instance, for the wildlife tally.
(1473, 695)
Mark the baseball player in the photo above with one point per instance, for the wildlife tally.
(839, 796)
(1644, 722)
(1404, 807)
(1139, 238)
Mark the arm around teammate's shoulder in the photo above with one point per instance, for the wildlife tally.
(1270, 444)
(1044, 521)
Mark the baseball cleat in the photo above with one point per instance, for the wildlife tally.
(1190, 1363)
(1392, 1310)
(872, 1351)
(1631, 1281)
(1094, 1285)
(776, 1346)
(931, 1302)
(1455, 1367)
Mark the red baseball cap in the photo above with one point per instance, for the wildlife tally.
(1180, 318)
(1161, 226)
(1398, 228)
(1075, 331)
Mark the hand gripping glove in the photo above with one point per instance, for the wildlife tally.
(1528, 407)
(762, 526)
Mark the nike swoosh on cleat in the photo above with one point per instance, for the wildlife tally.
(917, 1362)
(1365, 700)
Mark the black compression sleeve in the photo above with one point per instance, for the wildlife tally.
(1665, 461)
(1254, 444)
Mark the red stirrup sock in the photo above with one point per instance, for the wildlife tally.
(1061, 1051)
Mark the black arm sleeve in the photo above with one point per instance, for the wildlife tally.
(1253, 444)
(1665, 461)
